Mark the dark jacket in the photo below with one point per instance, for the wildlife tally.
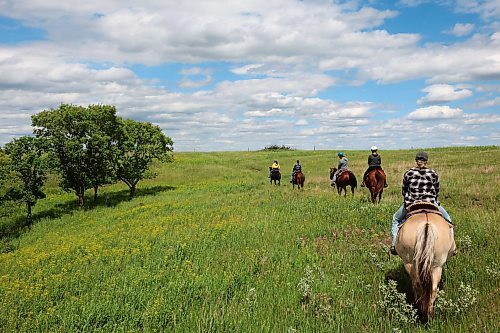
(374, 160)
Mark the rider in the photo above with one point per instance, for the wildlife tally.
(343, 166)
(420, 184)
(296, 168)
(274, 166)
(374, 162)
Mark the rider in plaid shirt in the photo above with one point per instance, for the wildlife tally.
(419, 184)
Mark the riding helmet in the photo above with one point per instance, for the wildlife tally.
(374, 148)
(340, 154)
(422, 155)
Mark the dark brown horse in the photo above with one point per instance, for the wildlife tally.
(375, 182)
(275, 175)
(343, 180)
(298, 179)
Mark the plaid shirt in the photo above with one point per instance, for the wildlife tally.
(420, 185)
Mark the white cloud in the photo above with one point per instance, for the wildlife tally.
(461, 29)
(481, 119)
(295, 53)
(435, 112)
(443, 93)
(268, 113)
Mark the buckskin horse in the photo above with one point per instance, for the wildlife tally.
(425, 242)
(298, 179)
(343, 180)
(275, 175)
(375, 182)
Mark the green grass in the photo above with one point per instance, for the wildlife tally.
(210, 246)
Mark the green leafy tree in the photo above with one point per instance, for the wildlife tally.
(102, 145)
(80, 142)
(27, 165)
(4, 174)
(140, 144)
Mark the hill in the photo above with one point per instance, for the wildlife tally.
(210, 245)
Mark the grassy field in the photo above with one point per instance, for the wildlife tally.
(211, 246)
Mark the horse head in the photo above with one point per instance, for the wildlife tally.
(332, 172)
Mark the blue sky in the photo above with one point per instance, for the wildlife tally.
(241, 75)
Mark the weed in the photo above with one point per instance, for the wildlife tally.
(394, 303)
(467, 298)
(493, 271)
(465, 243)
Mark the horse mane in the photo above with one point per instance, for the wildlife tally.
(423, 258)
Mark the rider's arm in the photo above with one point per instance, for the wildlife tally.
(436, 185)
(404, 188)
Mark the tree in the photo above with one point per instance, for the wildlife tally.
(102, 145)
(27, 164)
(80, 141)
(4, 174)
(139, 145)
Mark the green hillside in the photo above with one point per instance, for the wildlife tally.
(210, 246)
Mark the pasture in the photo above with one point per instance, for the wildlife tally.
(210, 246)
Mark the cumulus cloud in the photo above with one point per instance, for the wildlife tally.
(443, 93)
(283, 56)
(461, 29)
(435, 112)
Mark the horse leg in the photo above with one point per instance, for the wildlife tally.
(436, 277)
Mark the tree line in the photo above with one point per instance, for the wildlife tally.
(87, 146)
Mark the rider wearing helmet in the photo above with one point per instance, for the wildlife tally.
(343, 166)
(420, 184)
(374, 162)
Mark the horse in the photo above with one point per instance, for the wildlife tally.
(346, 178)
(298, 179)
(275, 175)
(424, 243)
(375, 182)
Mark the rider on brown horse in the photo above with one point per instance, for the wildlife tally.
(374, 162)
(420, 184)
(296, 168)
(343, 166)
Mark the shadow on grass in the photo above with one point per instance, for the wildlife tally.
(20, 225)
(403, 282)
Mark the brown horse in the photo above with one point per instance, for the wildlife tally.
(425, 242)
(298, 179)
(375, 182)
(275, 175)
(343, 180)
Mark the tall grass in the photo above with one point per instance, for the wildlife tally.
(211, 246)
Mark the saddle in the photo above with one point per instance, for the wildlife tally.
(423, 208)
(343, 171)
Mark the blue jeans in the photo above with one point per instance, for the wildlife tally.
(398, 217)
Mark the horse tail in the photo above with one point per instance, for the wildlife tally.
(380, 177)
(423, 259)
(354, 182)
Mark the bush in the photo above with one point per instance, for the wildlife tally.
(278, 147)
